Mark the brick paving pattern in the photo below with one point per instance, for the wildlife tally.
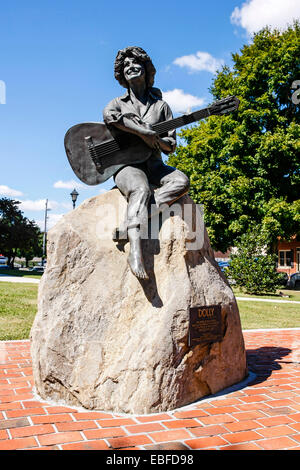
(264, 415)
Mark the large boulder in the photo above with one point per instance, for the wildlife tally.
(104, 340)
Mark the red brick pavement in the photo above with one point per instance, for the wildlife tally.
(264, 415)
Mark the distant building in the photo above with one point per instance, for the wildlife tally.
(288, 256)
(219, 256)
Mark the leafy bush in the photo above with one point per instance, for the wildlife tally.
(251, 267)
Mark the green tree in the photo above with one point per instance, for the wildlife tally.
(32, 242)
(18, 235)
(251, 267)
(244, 167)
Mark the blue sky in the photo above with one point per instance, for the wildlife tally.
(57, 70)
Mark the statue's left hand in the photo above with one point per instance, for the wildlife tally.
(164, 145)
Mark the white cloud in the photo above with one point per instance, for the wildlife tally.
(201, 61)
(6, 191)
(28, 205)
(71, 184)
(256, 14)
(181, 102)
(39, 205)
(51, 221)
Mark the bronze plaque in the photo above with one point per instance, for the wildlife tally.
(205, 325)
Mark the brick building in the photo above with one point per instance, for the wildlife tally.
(289, 256)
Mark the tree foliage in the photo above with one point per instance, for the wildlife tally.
(244, 166)
(18, 235)
(251, 267)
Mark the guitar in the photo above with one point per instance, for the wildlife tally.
(96, 151)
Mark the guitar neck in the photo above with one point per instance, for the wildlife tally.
(166, 126)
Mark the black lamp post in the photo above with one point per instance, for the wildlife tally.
(74, 195)
(47, 209)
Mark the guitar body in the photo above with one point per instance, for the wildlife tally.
(132, 150)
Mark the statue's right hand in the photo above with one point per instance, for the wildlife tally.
(151, 138)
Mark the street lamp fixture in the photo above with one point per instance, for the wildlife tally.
(74, 194)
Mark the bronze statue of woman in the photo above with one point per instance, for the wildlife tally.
(135, 112)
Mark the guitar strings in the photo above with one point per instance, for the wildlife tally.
(168, 125)
(108, 144)
(100, 151)
(103, 154)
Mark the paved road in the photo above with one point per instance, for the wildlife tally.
(5, 278)
(252, 299)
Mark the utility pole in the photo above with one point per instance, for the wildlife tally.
(45, 231)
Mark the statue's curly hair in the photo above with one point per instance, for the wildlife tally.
(142, 56)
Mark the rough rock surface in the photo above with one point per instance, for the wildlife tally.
(104, 340)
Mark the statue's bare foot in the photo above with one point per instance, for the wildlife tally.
(136, 265)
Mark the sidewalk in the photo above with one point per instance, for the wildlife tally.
(5, 278)
(264, 415)
(254, 299)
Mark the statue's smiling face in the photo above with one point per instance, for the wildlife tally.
(133, 69)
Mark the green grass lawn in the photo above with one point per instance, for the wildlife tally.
(268, 315)
(18, 306)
